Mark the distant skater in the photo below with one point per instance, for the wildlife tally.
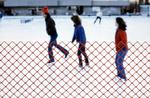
(121, 47)
(51, 31)
(98, 17)
(79, 36)
(1, 15)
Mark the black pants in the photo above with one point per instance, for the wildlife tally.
(97, 19)
(81, 50)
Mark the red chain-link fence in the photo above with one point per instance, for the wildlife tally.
(24, 72)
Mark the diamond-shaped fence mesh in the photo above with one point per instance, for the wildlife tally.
(24, 72)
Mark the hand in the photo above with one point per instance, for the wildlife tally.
(72, 41)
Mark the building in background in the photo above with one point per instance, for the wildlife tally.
(138, 7)
(66, 7)
(145, 8)
(1, 3)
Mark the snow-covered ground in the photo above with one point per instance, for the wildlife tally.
(24, 74)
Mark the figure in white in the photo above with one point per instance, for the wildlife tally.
(98, 17)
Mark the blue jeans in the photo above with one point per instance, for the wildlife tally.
(52, 43)
(119, 63)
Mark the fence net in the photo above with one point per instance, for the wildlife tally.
(24, 71)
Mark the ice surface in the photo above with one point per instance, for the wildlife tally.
(12, 29)
(24, 72)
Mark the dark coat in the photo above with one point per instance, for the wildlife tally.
(50, 25)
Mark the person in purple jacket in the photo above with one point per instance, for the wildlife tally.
(79, 36)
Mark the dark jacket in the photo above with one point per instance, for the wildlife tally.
(50, 25)
(79, 34)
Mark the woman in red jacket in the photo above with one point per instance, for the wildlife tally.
(121, 47)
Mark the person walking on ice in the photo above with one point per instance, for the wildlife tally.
(98, 17)
(79, 36)
(51, 31)
(121, 47)
(1, 15)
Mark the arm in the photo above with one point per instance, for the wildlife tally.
(74, 35)
(73, 39)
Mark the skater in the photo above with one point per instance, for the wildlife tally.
(79, 36)
(98, 16)
(51, 31)
(121, 47)
(1, 15)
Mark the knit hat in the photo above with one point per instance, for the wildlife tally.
(45, 10)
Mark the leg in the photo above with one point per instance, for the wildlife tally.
(84, 54)
(79, 56)
(100, 19)
(63, 50)
(119, 63)
(50, 52)
(95, 20)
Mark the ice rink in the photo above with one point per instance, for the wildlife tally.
(12, 28)
(25, 74)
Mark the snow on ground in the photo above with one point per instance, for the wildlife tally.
(24, 73)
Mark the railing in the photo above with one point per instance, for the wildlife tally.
(24, 72)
